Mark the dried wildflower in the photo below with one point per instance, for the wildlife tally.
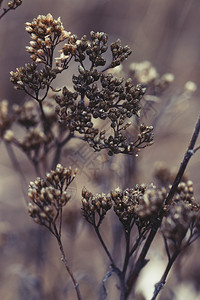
(46, 34)
(125, 203)
(114, 101)
(32, 80)
(151, 203)
(93, 206)
(177, 222)
(182, 215)
(119, 53)
(49, 196)
(138, 205)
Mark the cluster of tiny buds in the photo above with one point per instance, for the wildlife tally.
(46, 33)
(50, 195)
(14, 4)
(94, 47)
(183, 214)
(30, 78)
(185, 192)
(119, 53)
(151, 203)
(114, 101)
(99, 204)
(125, 203)
(140, 204)
(146, 135)
(180, 217)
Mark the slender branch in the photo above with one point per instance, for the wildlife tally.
(6, 10)
(64, 260)
(104, 246)
(190, 151)
(127, 253)
(141, 262)
(162, 282)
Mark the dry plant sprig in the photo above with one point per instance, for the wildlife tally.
(148, 208)
(12, 5)
(48, 197)
(96, 97)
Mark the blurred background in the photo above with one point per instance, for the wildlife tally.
(167, 34)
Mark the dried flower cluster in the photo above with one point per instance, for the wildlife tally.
(182, 215)
(143, 205)
(49, 196)
(38, 136)
(114, 102)
(132, 206)
(46, 33)
(97, 96)
(93, 205)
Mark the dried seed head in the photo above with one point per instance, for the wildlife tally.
(50, 195)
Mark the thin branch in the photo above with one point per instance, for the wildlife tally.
(64, 260)
(190, 151)
(6, 10)
(104, 246)
(162, 282)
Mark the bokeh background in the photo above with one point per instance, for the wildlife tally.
(165, 32)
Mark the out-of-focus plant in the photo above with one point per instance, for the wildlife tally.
(52, 116)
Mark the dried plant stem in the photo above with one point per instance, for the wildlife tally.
(161, 283)
(190, 151)
(104, 246)
(64, 260)
(6, 10)
(141, 260)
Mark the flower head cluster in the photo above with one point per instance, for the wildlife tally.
(182, 215)
(138, 205)
(97, 96)
(92, 205)
(46, 33)
(94, 47)
(49, 196)
(114, 101)
(31, 79)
